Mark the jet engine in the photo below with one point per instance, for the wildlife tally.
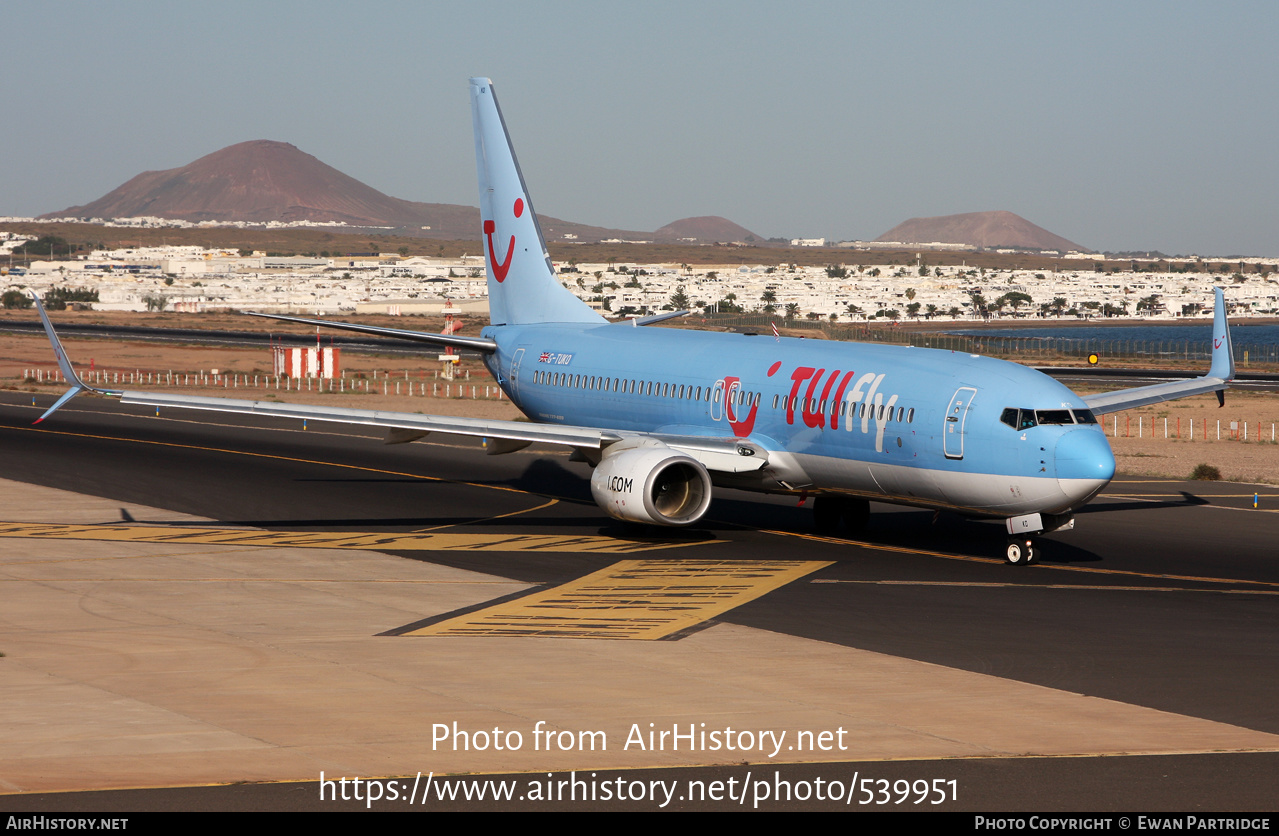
(649, 482)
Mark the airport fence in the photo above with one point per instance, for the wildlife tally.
(1187, 428)
(384, 383)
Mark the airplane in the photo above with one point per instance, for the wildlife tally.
(666, 416)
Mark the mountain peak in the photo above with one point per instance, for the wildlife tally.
(256, 181)
(707, 229)
(979, 229)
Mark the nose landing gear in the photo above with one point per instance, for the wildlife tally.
(1020, 552)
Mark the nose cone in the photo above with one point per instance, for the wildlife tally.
(1085, 464)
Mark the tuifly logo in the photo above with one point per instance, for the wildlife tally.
(500, 269)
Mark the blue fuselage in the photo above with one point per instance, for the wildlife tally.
(911, 425)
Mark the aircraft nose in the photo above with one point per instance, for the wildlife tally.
(1084, 462)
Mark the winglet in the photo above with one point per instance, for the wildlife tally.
(1223, 354)
(1218, 379)
(64, 363)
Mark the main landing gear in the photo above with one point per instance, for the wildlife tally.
(830, 511)
(1020, 552)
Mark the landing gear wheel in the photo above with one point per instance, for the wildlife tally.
(856, 515)
(1020, 553)
(830, 511)
(827, 511)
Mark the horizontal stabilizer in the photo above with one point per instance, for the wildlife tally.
(652, 319)
(481, 344)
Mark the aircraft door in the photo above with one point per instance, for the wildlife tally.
(515, 373)
(956, 417)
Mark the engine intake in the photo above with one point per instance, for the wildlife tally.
(652, 484)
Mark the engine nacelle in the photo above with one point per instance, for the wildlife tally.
(651, 483)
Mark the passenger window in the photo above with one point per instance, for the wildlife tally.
(910, 415)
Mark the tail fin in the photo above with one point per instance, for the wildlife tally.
(1223, 353)
(521, 282)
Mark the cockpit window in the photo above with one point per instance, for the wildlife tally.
(1053, 416)
(1018, 419)
(1024, 419)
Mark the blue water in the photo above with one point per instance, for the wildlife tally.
(1251, 335)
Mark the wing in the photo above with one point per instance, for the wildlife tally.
(507, 430)
(727, 455)
(1218, 379)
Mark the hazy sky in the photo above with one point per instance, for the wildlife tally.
(1130, 125)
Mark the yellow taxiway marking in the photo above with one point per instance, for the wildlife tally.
(546, 504)
(1156, 497)
(425, 478)
(1204, 496)
(1204, 482)
(632, 599)
(1048, 567)
(378, 540)
(1022, 586)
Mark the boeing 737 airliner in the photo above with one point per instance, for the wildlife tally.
(665, 415)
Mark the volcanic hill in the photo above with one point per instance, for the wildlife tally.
(707, 229)
(263, 181)
(979, 229)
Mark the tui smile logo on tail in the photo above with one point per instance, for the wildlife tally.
(500, 269)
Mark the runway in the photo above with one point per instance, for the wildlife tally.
(1150, 631)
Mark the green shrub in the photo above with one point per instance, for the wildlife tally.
(1205, 473)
